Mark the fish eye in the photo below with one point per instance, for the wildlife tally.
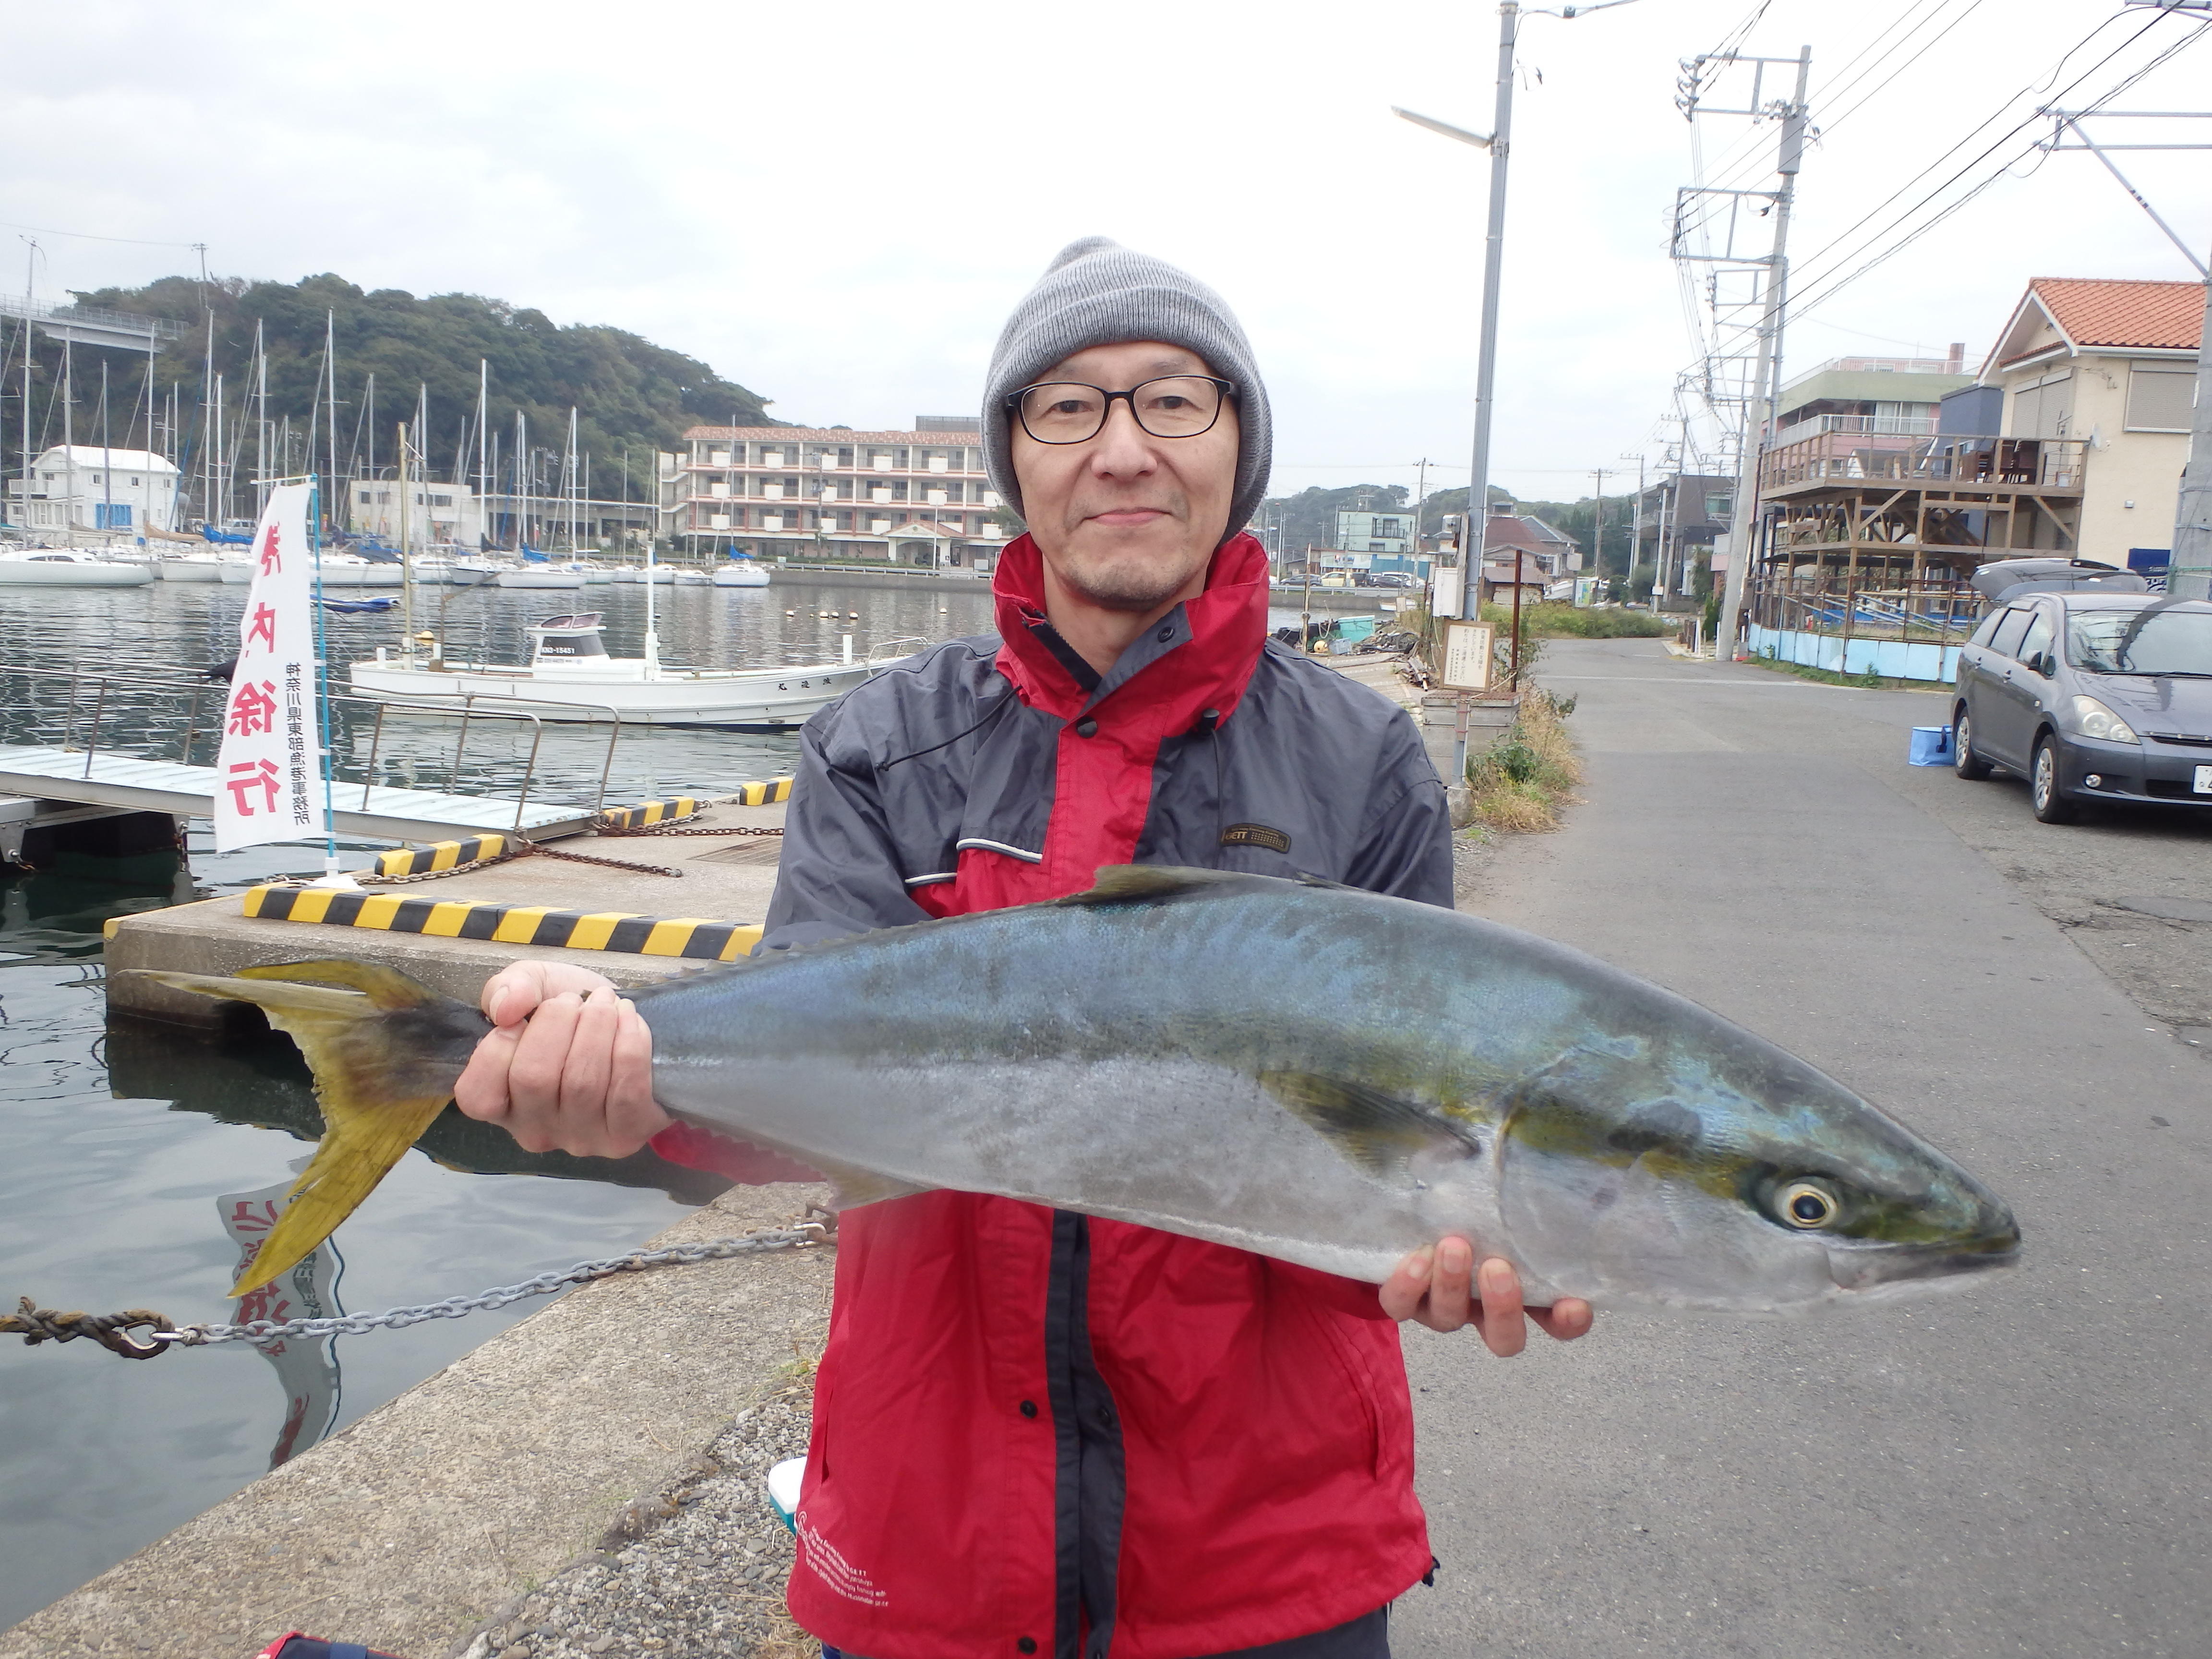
(1805, 1205)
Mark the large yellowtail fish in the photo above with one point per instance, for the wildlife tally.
(1304, 1070)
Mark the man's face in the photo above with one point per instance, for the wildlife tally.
(1128, 520)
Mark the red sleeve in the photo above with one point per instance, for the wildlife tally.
(740, 1161)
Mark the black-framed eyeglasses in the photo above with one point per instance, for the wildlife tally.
(1070, 412)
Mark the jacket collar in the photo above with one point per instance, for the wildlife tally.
(1196, 658)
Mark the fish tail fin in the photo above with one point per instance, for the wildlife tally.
(386, 1052)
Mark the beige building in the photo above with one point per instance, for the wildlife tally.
(2111, 364)
(918, 498)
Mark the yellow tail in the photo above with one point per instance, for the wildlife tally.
(385, 1054)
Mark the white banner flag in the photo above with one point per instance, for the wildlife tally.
(267, 775)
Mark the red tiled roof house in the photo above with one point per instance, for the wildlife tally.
(2112, 363)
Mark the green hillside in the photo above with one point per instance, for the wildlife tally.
(631, 395)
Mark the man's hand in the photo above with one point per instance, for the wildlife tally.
(1436, 1285)
(568, 1068)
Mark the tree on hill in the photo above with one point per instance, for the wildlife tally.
(632, 396)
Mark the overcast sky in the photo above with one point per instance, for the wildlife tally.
(836, 206)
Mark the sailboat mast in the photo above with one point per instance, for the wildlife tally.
(568, 479)
(207, 429)
(69, 432)
(406, 562)
(106, 457)
(521, 483)
(331, 379)
(260, 419)
(483, 455)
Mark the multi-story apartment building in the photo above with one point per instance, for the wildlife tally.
(908, 498)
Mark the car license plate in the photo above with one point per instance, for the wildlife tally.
(2203, 784)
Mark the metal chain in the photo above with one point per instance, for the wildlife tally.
(40, 1325)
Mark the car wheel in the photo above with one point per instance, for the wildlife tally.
(2050, 803)
(1964, 760)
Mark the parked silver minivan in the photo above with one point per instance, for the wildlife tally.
(2090, 697)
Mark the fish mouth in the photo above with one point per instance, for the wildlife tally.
(1864, 1271)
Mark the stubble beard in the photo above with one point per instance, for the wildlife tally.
(1131, 580)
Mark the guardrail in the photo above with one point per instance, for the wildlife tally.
(104, 708)
(1876, 457)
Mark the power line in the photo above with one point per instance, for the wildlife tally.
(87, 236)
(1837, 241)
(1812, 293)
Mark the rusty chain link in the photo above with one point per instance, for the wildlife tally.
(37, 1324)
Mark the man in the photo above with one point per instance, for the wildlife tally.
(1035, 1432)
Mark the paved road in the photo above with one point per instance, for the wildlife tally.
(2020, 1469)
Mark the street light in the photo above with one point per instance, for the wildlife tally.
(1499, 144)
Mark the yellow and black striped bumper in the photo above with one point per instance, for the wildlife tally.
(507, 924)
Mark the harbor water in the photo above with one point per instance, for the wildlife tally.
(124, 1151)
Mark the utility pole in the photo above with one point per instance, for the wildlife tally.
(1499, 143)
(2190, 569)
(2189, 573)
(1597, 537)
(1636, 534)
(1743, 520)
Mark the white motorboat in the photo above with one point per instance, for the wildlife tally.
(740, 572)
(694, 578)
(61, 567)
(571, 676)
(336, 570)
(540, 576)
(200, 566)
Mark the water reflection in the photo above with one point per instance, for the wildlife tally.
(307, 1367)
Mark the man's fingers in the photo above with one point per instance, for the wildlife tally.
(1406, 1288)
(585, 1075)
(481, 1089)
(1564, 1320)
(1504, 1331)
(633, 1116)
(1450, 1303)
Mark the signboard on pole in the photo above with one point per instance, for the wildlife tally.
(266, 772)
(1468, 657)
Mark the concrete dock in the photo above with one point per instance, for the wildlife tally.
(722, 879)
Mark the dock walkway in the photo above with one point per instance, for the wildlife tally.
(125, 783)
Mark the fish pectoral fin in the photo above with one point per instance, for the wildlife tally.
(1377, 1131)
(851, 1186)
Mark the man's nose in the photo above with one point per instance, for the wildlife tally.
(1122, 449)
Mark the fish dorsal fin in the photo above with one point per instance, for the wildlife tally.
(1163, 884)
(1377, 1131)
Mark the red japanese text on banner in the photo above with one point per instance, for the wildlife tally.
(267, 787)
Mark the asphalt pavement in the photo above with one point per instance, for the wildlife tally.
(2017, 1468)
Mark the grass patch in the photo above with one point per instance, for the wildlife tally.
(1866, 682)
(1553, 621)
(1518, 785)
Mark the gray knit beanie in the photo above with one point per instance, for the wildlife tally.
(1098, 293)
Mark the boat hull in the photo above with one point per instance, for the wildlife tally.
(27, 572)
(764, 699)
(740, 576)
(192, 570)
(540, 579)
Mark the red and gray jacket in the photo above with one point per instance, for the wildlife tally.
(1033, 1432)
